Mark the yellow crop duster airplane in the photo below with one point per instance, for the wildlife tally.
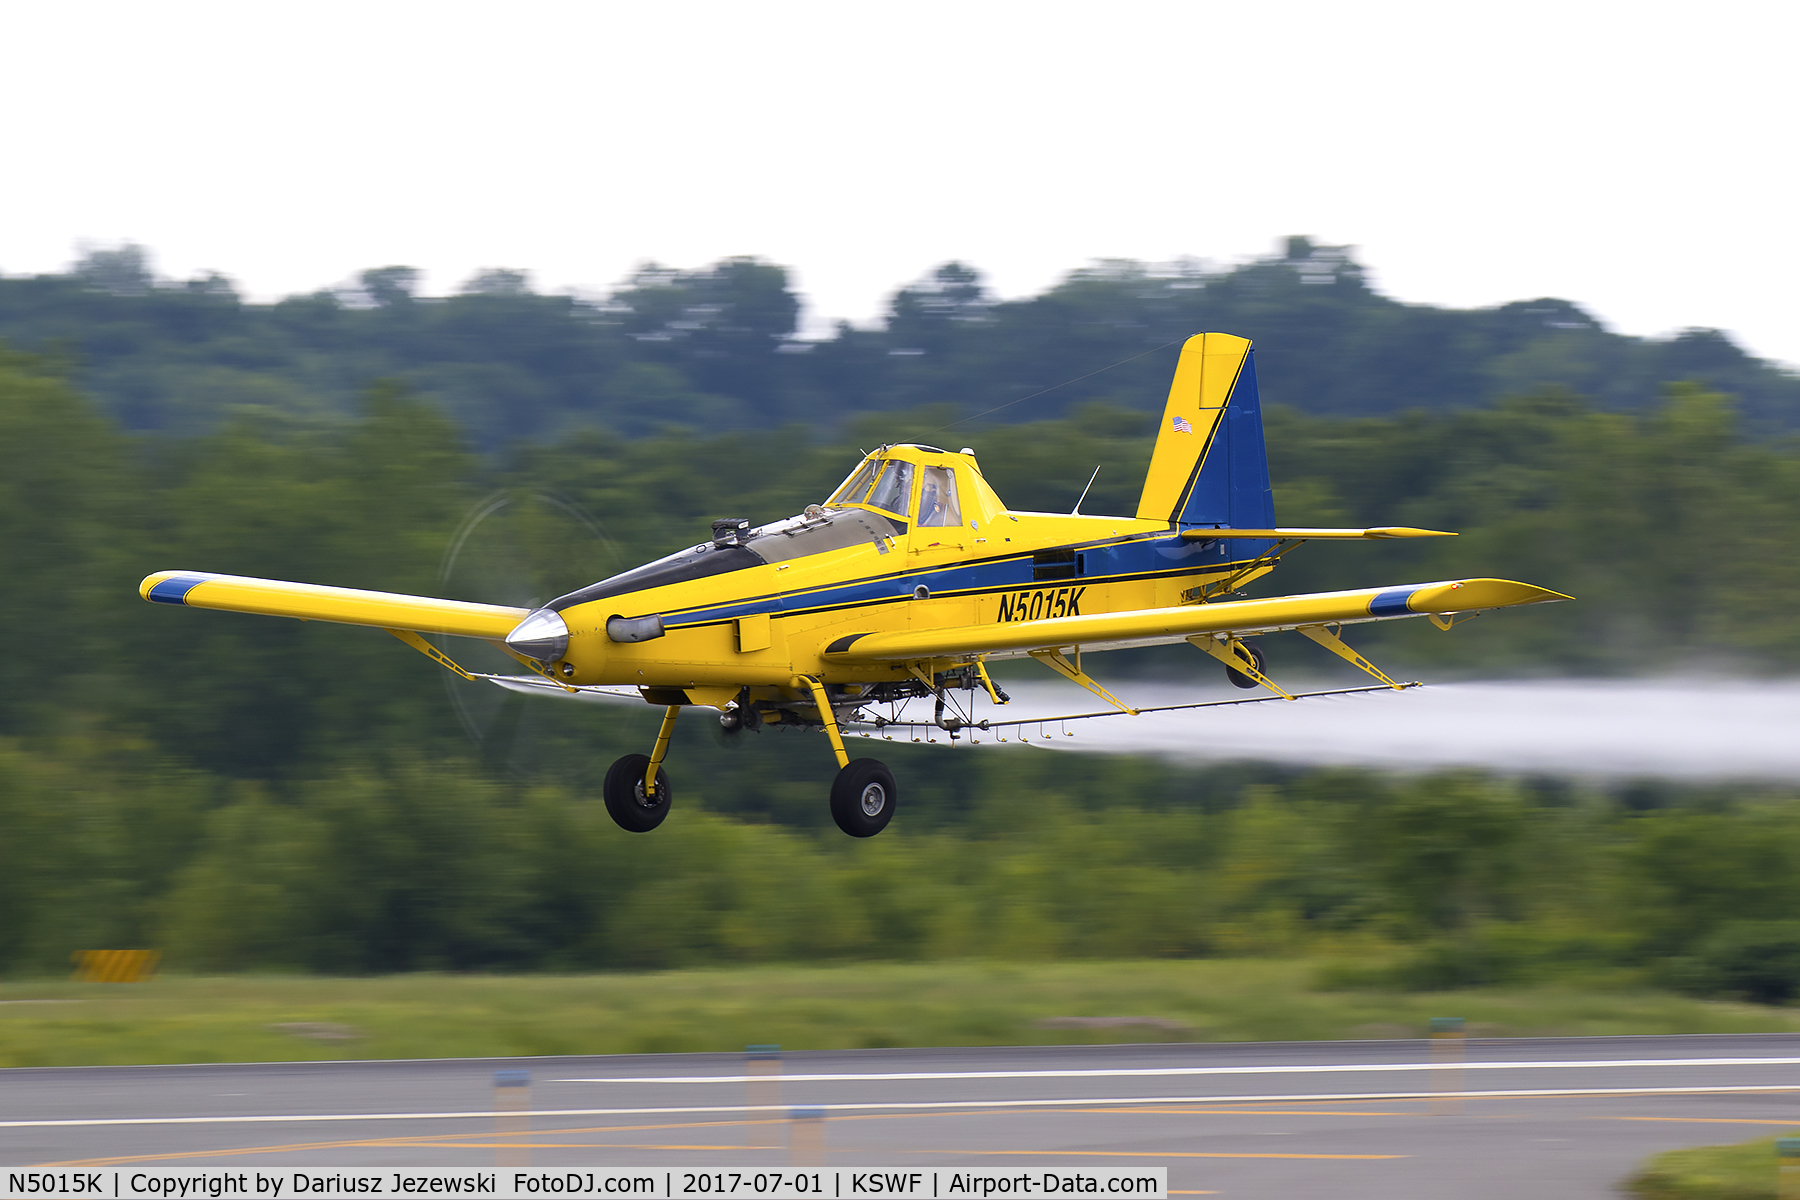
(903, 585)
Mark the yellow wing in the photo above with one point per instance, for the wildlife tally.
(1155, 626)
(316, 602)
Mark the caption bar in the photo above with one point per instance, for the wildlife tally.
(1149, 1183)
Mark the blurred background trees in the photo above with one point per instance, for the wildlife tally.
(254, 793)
(716, 348)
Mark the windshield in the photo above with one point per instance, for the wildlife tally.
(856, 488)
(879, 483)
(893, 490)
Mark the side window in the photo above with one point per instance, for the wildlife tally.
(894, 489)
(937, 498)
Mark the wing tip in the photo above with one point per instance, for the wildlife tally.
(171, 587)
(1388, 532)
(1481, 593)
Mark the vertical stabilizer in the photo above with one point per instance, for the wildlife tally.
(1210, 466)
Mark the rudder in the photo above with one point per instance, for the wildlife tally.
(1210, 465)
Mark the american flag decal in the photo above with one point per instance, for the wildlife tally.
(1181, 425)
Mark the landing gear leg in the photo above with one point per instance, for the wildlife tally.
(637, 788)
(863, 795)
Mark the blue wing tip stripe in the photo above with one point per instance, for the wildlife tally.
(175, 588)
(1391, 603)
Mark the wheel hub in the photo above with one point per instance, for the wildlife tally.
(874, 799)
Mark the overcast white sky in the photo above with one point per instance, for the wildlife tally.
(1636, 158)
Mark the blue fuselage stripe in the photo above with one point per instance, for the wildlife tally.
(1119, 562)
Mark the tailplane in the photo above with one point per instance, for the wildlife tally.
(1210, 466)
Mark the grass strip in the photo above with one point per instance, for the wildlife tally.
(250, 1018)
(1741, 1171)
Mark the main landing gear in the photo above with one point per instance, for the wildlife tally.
(1258, 663)
(637, 788)
(863, 795)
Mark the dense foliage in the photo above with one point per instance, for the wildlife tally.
(255, 793)
(414, 865)
(714, 348)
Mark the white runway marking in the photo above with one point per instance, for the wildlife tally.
(915, 1105)
(1147, 1072)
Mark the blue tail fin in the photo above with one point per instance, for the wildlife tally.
(1231, 487)
(1209, 466)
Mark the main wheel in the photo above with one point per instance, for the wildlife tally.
(625, 800)
(1256, 660)
(863, 797)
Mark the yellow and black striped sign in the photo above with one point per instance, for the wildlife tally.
(115, 966)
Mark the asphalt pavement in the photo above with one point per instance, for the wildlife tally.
(1489, 1118)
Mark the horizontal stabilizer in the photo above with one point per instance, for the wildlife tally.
(1382, 533)
(1154, 626)
(344, 606)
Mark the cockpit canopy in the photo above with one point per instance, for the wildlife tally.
(884, 483)
(879, 483)
(874, 504)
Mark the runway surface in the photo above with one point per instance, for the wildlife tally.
(1540, 1117)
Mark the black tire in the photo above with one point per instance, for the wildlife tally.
(863, 798)
(624, 792)
(1242, 680)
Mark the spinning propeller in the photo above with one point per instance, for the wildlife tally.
(522, 547)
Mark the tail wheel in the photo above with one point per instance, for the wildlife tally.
(626, 802)
(1257, 661)
(863, 797)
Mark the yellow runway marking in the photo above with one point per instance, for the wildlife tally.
(1249, 1112)
(441, 1141)
(946, 1106)
(975, 1153)
(1133, 1110)
(1710, 1120)
(1148, 1154)
(488, 1137)
(582, 1146)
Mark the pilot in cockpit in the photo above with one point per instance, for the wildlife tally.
(937, 498)
(931, 503)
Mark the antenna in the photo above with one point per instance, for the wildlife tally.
(1076, 511)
